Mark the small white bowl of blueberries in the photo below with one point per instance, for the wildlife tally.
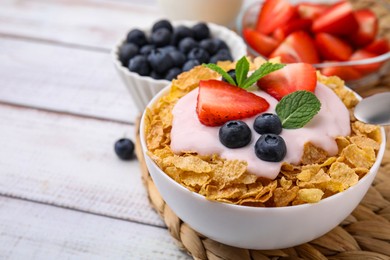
(149, 59)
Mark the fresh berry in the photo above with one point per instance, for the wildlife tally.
(232, 74)
(221, 55)
(199, 54)
(379, 46)
(137, 37)
(261, 43)
(139, 64)
(293, 77)
(162, 24)
(367, 30)
(146, 49)
(201, 31)
(220, 44)
(172, 74)
(235, 134)
(178, 58)
(233, 103)
(311, 10)
(188, 65)
(267, 123)
(332, 48)
(346, 73)
(160, 61)
(295, 25)
(297, 47)
(270, 148)
(209, 45)
(155, 75)
(274, 14)
(181, 32)
(161, 37)
(126, 52)
(338, 19)
(124, 148)
(366, 68)
(187, 44)
(168, 48)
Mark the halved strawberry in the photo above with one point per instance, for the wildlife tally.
(311, 10)
(261, 43)
(345, 73)
(293, 77)
(297, 47)
(367, 68)
(273, 14)
(368, 28)
(379, 46)
(219, 102)
(338, 19)
(294, 25)
(332, 48)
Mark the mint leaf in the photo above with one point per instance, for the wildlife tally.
(219, 70)
(297, 109)
(264, 69)
(242, 68)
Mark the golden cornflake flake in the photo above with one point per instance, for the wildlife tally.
(342, 173)
(310, 195)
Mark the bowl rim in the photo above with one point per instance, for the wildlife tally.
(240, 27)
(361, 182)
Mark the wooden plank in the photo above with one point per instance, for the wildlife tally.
(35, 231)
(69, 162)
(93, 23)
(63, 79)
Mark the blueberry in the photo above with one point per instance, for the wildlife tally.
(181, 32)
(178, 58)
(187, 44)
(190, 64)
(160, 61)
(270, 148)
(220, 44)
(199, 54)
(137, 37)
(168, 48)
(162, 24)
(221, 56)
(232, 74)
(267, 123)
(146, 49)
(124, 148)
(235, 134)
(161, 37)
(126, 52)
(172, 73)
(140, 65)
(201, 31)
(209, 45)
(155, 75)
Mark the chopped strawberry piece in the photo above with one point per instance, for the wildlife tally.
(311, 10)
(293, 77)
(338, 19)
(220, 102)
(368, 28)
(345, 73)
(295, 25)
(261, 43)
(366, 68)
(332, 48)
(273, 14)
(297, 47)
(379, 46)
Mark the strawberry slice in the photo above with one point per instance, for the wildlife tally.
(297, 47)
(332, 48)
(295, 25)
(220, 102)
(273, 14)
(261, 43)
(379, 46)
(345, 73)
(338, 19)
(366, 68)
(368, 28)
(311, 10)
(293, 77)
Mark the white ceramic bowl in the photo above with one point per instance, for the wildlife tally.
(144, 88)
(252, 227)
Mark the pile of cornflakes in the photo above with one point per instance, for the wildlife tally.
(317, 177)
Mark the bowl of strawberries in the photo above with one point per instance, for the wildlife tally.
(349, 39)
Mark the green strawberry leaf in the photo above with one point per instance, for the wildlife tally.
(264, 69)
(242, 68)
(219, 70)
(297, 109)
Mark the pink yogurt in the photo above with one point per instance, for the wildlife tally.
(189, 135)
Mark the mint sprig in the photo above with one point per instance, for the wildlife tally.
(242, 69)
(297, 109)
